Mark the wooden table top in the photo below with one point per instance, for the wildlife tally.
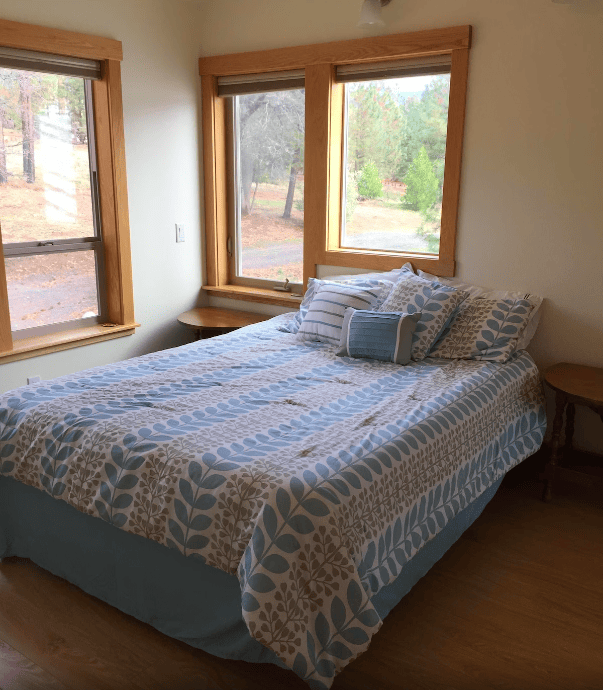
(212, 317)
(575, 379)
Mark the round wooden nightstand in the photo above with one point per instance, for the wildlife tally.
(573, 384)
(210, 321)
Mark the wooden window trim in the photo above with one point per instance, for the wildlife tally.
(355, 50)
(323, 146)
(110, 145)
(64, 340)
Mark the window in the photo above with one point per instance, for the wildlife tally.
(65, 276)
(51, 231)
(394, 154)
(265, 171)
(377, 192)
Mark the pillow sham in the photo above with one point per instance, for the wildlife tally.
(324, 318)
(385, 336)
(435, 302)
(476, 291)
(484, 329)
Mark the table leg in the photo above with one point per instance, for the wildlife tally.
(555, 441)
(570, 412)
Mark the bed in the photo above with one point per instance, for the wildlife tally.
(255, 495)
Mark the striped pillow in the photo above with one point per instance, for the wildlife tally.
(362, 279)
(386, 336)
(324, 317)
(294, 324)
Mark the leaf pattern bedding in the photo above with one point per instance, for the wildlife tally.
(312, 477)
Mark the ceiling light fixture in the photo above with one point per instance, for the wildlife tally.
(370, 14)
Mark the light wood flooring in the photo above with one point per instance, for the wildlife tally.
(516, 604)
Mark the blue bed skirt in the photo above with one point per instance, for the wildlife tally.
(179, 596)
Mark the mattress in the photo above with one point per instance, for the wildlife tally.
(315, 480)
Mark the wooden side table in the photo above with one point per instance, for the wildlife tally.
(210, 321)
(573, 385)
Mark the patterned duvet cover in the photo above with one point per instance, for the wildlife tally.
(314, 478)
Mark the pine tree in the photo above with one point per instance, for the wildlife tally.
(422, 184)
(374, 124)
(369, 182)
(426, 121)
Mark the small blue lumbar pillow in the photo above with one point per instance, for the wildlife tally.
(386, 336)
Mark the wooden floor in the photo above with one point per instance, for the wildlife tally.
(516, 604)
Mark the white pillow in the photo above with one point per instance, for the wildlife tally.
(324, 318)
(476, 291)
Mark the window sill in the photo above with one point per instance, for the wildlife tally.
(376, 260)
(249, 294)
(64, 340)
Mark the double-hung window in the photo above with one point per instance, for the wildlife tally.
(384, 123)
(65, 267)
(49, 206)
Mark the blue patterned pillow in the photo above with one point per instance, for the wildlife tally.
(484, 329)
(435, 302)
(386, 336)
(324, 318)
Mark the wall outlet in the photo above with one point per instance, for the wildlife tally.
(33, 379)
(179, 232)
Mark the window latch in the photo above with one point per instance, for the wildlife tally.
(48, 243)
(285, 287)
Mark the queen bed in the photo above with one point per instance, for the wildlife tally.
(256, 495)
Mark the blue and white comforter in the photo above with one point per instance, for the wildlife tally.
(313, 478)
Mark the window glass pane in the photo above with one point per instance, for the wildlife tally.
(44, 163)
(395, 150)
(269, 150)
(52, 288)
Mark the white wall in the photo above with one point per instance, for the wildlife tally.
(531, 203)
(161, 119)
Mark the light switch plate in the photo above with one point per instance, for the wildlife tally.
(179, 232)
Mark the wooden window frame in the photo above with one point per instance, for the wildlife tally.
(113, 194)
(323, 151)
